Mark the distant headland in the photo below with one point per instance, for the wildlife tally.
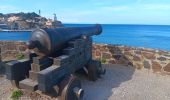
(26, 21)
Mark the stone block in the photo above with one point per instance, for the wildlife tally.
(137, 58)
(138, 52)
(28, 84)
(106, 55)
(30, 56)
(162, 58)
(98, 53)
(22, 47)
(146, 64)
(149, 55)
(139, 65)
(128, 53)
(39, 67)
(61, 60)
(167, 68)
(156, 67)
(39, 60)
(33, 75)
(117, 57)
(112, 61)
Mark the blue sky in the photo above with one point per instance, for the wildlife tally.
(95, 11)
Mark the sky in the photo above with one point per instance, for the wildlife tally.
(155, 12)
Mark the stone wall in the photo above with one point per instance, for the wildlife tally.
(155, 60)
(10, 49)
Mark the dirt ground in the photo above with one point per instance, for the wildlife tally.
(119, 83)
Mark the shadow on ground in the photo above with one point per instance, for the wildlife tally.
(102, 88)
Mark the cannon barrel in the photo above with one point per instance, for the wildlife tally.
(49, 41)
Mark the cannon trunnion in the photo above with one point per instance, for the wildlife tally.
(59, 54)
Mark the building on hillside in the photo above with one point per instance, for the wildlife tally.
(4, 27)
(2, 19)
(13, 18)
(56, 23)
(14, 26)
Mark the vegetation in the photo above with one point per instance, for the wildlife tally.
(22, 15)
(16, 94)
(20, 56)
(103, 60)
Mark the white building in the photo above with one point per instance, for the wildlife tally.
(13, 18)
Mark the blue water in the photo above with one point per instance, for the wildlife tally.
(149, 36)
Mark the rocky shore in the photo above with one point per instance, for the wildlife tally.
(139, 58)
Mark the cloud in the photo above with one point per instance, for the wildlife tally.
(7, 8)
(116, 8)
(157, 6)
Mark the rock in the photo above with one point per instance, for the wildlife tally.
(112, 61)
(117, 57)
(128, 53)
(138, 65)
(22, 48)
(136, 58)
(98, 53)
(104, 49)
(167, 68)
(106, 55)
(156, 67)
(167, 55)
(130, 63)
(127, 48)
(94, 47)
(149, 55)
(146, 64)
(162, 58)
(138, 52)
(162, 52)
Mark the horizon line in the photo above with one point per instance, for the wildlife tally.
(120, 24)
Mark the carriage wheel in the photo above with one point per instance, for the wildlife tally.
(15, 83)
(70, 89)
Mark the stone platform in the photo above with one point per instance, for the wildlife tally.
(119, 83)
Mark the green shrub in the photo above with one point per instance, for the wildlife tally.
(16, 94)
(20, 56)
(103, 60)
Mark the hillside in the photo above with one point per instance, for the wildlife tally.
(22, 21)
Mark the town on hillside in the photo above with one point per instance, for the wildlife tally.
(27, 21)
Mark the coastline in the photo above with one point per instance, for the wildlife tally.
(155, 60)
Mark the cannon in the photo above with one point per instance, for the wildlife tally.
(59, 54)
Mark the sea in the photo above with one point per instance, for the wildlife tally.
(148, 36)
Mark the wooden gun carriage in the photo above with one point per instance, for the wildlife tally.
(58, 54)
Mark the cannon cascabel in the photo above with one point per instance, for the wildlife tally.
(50, 41)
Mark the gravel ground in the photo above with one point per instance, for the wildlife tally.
(124, 83)
(5, 88)
(119, 83)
